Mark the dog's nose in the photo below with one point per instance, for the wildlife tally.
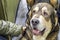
(35, 22)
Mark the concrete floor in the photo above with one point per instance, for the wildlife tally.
(21, 14)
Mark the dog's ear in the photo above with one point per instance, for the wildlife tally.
(56, 18)
(30, 2)
(54, 3)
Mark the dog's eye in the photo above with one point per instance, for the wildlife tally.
(34, 11)
(45, 14)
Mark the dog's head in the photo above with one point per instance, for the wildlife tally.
(42, 18)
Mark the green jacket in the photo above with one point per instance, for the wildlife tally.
(8, 9)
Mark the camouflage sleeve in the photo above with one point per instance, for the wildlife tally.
(8, 28)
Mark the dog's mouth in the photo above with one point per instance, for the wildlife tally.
(38, 32)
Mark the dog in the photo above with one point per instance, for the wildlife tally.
(43, 20)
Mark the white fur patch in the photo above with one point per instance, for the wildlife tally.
(44, 9)
(41, 25)
(36, 9)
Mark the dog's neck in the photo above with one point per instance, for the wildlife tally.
(51, 36)
(35, 37)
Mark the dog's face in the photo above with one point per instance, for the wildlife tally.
(42, 19)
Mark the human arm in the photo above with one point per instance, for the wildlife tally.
(9, 28)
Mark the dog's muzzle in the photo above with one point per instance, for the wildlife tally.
(34, 22)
